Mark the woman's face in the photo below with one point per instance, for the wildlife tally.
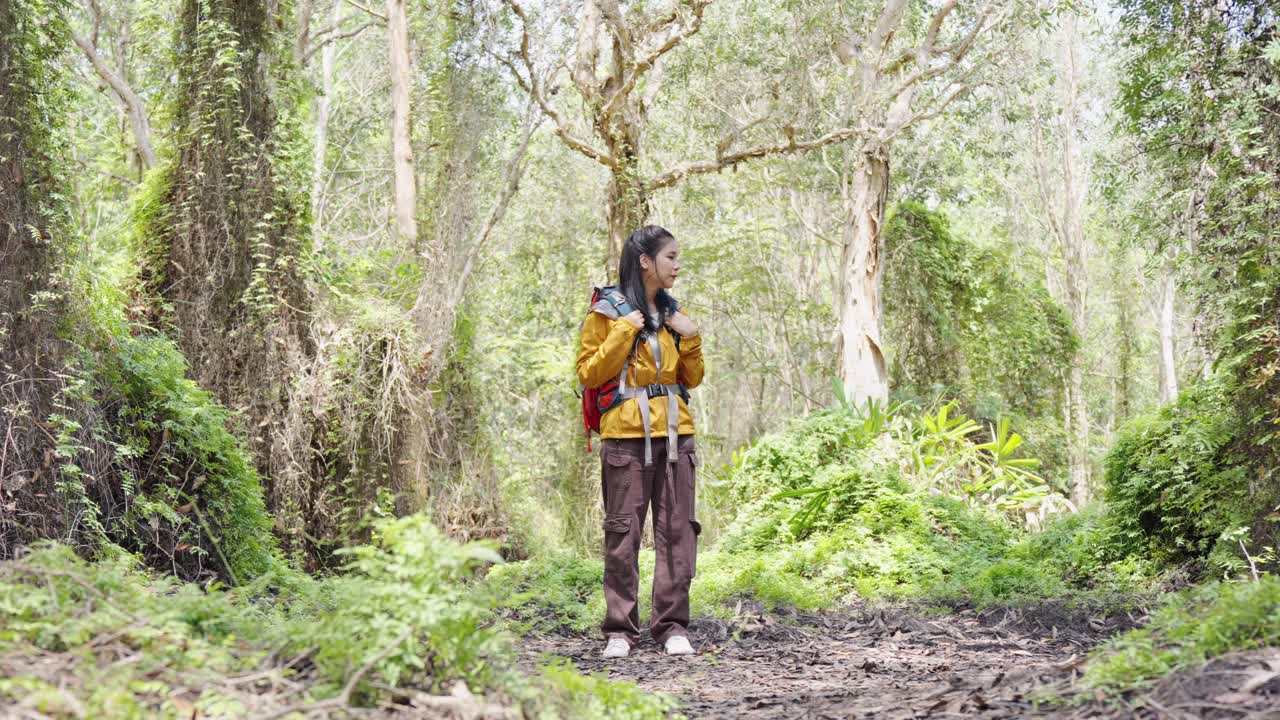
(662, 270)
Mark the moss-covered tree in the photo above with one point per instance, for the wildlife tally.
(232, 224)
(32, 219)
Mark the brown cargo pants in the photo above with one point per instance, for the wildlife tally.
(630, 488)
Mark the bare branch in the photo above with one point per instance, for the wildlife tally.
(133, 105)
(533, 86)
(791, 146)
(646, 63)
(374, 13)
(322, 41)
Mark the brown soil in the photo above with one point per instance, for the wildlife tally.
(892, 663)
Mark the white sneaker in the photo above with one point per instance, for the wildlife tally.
(679, 645)
(617, 648)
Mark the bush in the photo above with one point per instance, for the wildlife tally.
(404, 604)
(1173, 486)
(553, 591)
(178, 488)
(841, 505)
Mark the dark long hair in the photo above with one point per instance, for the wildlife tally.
(648, 240)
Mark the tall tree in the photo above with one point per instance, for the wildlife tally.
(615, 53)
(224, 250)
(32, 220)
(900, 74)
(1061, 175)
(404, 180)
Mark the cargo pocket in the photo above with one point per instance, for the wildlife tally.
(617, 547)
(617, 523)
(616, 478)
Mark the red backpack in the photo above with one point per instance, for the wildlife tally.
(610, 302)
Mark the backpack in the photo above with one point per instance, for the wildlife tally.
(610, 302)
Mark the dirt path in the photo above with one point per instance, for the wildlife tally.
(858, 664)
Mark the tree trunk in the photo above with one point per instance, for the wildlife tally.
(627, 209)
(232, 236)
(1075, 253)
(1168, 366)
(328, 56)
(405, 189)
(1125, 301)
(31, 222)
(862, 366)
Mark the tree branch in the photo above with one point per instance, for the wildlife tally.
(623, 44)
(320, 43)
(534, 87)
(510, 185)
(960, 91)
(133, 105)
(639, 68)
(683, 170)
(924, 53)
(587, 52)
(374, 13)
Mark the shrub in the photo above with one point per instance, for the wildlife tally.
(179, 489)
(1173, 486)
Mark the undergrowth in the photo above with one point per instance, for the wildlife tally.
(1194, 626)
(851, 504)
(403, 618)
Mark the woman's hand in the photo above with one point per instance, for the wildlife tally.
(682, 324)
(636, 318)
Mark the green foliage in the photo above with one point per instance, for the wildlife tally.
(404, 605)
(572, 694)
(986, 473)
(404, 614)
(552, 591)
(54, 601)
(187, 489)
(33, 111)
(1174, 483)
(1194, 626)
(960, 322)
(845, 503)
(1199, 95)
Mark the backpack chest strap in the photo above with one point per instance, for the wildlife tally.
(642, 395)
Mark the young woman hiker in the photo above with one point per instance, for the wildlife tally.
(636, 336)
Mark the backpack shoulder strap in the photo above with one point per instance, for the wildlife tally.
(610, 302)
(675, 307)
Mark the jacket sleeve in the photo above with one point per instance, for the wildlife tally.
(689, 372)
(603, 347)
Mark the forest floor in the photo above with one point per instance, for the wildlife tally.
(894, 663)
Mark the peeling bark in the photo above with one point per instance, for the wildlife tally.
(861, 316)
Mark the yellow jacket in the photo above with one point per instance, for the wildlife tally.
(602, 350)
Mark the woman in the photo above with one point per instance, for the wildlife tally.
(636, 335)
